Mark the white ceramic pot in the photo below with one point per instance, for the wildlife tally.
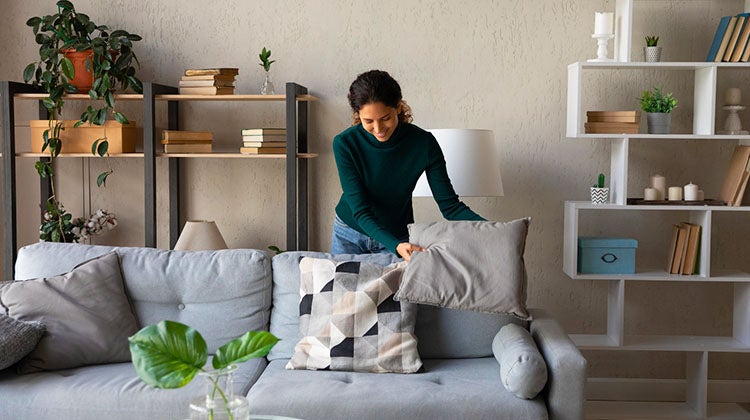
(652, 54)
(599, 195)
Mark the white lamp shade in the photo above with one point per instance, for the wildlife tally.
(200, 235)
(471, 157)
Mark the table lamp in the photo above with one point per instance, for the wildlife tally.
(199, 235)
(471, 157)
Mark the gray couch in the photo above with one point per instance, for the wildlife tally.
(226, 293)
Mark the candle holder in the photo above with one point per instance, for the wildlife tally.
(601, 51)
(733, 125)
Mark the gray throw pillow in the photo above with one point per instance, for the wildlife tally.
(349, 320)
(522, 368)
(86, 312)
(17, 339)
(468, 265)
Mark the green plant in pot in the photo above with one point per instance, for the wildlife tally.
(107, 57)
(652, 52)
(658, 108)
(169, 355)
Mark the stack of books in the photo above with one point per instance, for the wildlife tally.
(187, 141)
(219, 81)
(684, 247)
(737, 175)
(612, 122)
(731, 40)
(263, 141)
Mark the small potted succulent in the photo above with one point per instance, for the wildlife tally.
(599, 193)
(658, 108)
(652, 52)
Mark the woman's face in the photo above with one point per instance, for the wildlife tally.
(379, 120)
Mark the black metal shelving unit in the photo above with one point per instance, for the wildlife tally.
(296, 100)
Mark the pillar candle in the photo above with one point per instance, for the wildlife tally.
(701, 196)
(675, 193)
(690, 192)
(603, 23)
(659, 183)
(733, 96)
(650, 194)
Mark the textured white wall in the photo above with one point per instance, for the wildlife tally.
(499, 65)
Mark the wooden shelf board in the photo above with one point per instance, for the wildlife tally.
(233, 155)
(587, 205)
(686, 136)
(138, 97)
(236, 97)
(79, 155)
(722, 276)
(663, 65)
(661, 410)
(682, 343)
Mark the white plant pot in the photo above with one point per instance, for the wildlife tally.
(599, 195)
(652, 54)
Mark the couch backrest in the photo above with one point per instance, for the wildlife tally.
(441, 333)
(222, 294)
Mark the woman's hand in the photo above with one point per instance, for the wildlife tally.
(405, 249)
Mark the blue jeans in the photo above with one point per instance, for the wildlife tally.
(346, 240)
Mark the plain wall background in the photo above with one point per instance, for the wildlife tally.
(499, 65)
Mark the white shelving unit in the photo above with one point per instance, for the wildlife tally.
(696, 396)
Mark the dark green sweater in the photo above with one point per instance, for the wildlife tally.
(378, 179)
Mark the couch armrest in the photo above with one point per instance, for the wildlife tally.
(566, 367)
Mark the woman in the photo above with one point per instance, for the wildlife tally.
(379, 160)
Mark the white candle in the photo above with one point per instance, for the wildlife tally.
(675, 193)
(650, 194)
(733, 96)
(691, 192)
(659, 183)
(603, 23)
(701, 196)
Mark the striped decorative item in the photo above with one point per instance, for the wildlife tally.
(599, 195)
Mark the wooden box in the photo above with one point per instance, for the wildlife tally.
(122, 138)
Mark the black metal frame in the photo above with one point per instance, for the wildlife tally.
(296, 168)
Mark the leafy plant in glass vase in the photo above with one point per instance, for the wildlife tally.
(106, 63)
(267, 87)
(169, 355)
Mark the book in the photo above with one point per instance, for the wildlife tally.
(672, 247)
(186, 141)
(264, 144)
(634, 114)
(617, 119)
(718, 37)
(734, 174)
(741, 46)
(186, 135)
(739, 24)
(688, 265)
(741, 193)
(725, 39)
(262, 150)
(207, 82)
(222, 77)
(221, 70)
(679, 250)
(206, 90)
(188, 148)
(611, 128)
(263, 131)
(265, 137)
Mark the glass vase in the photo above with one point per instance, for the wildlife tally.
(267, 87)
(219, 402)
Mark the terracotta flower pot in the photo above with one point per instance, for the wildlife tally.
(83, 78)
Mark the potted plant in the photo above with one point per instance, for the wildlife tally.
(105, 56)
(651, 52)
(169, 355)
(599, 193)
(267, 87)
(658, 108)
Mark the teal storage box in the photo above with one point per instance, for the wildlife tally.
(606, 255)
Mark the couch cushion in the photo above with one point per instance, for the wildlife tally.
(468, 265)
(522, 368)
(349, 320)
(111, 392)
(17, 339)
(456, 388)
(223, 294)
(285, 314)
(86, 313)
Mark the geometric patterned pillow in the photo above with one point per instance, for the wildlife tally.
(349, 320)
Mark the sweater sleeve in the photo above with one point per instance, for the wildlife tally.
(355, 195)
(442, 190)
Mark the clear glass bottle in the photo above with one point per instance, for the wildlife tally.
(267, 87)
(219, 402)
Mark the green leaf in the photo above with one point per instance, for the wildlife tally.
(93, 146)
(28, 72)
(120, 118)
(35, 21)
(101, 117)
(67, 67)
(251, 345)
(103, 147)
(168, 354)
(102, 179)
